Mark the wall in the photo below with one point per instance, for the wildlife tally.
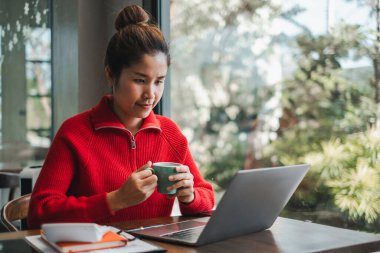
(79, 44)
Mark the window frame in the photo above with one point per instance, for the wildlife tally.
(160, 11)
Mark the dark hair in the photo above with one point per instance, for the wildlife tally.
(136, 36)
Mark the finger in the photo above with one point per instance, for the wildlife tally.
(182, 169)
(145, 166)
(181, 176)
(182, 183)
(150, 180)
(144, 171)
(149, 188)
(148, 184)
(184, 192)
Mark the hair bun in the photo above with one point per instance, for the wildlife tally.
(131, 15)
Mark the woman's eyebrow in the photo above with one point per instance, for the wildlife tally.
(140, 74)
(146, 76)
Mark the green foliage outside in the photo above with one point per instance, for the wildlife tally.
(334, 113)
(330, 110)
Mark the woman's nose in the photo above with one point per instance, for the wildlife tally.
(149, 92)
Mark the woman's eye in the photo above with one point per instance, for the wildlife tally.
(158, 82)
(139, 81)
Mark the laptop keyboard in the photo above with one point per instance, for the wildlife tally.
(190, 234)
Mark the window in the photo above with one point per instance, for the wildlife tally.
(38, 66)
(26, 117)
(269, 83)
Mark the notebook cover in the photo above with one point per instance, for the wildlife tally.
(109, 240)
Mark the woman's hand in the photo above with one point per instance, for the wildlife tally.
(138, 187)
(185, 184)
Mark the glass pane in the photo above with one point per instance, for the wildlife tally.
(38, 46)
(39, 120)
(269, 83)
(25, 100)
(38, 78)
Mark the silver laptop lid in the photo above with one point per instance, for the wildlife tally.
(253, 201)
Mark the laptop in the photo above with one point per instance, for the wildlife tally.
(251, 203)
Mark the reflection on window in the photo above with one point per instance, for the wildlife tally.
(268, 83)
(38, 50)
(25, 73)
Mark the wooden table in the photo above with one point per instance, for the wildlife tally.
(16, 167)
(286, 235)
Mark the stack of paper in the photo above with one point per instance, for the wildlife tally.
(109, 240)
(112, 241)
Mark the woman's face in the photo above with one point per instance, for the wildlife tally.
(139, 89)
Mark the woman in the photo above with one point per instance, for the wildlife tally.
(96, 168)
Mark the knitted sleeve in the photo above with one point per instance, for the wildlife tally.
(203, 191)
(50, 201)
(204, 194)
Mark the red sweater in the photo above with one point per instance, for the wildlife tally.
(93, 153)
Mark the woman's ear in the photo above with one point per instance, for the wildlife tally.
(109, 76)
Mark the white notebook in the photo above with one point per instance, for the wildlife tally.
(134, 245)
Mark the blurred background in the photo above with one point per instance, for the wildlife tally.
(253, 83)
(268, 83)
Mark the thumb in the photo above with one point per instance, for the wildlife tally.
(145, 166)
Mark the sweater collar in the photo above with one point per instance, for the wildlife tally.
(102, 116)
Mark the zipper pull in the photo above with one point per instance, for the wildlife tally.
(133, 143)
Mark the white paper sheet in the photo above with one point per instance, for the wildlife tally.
(134, 246)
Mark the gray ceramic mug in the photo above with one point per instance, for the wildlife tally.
(163, 170)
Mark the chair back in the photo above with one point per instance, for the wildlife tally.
(15, 210)
(9, 181)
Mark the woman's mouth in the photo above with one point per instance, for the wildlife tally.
(145, 106)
